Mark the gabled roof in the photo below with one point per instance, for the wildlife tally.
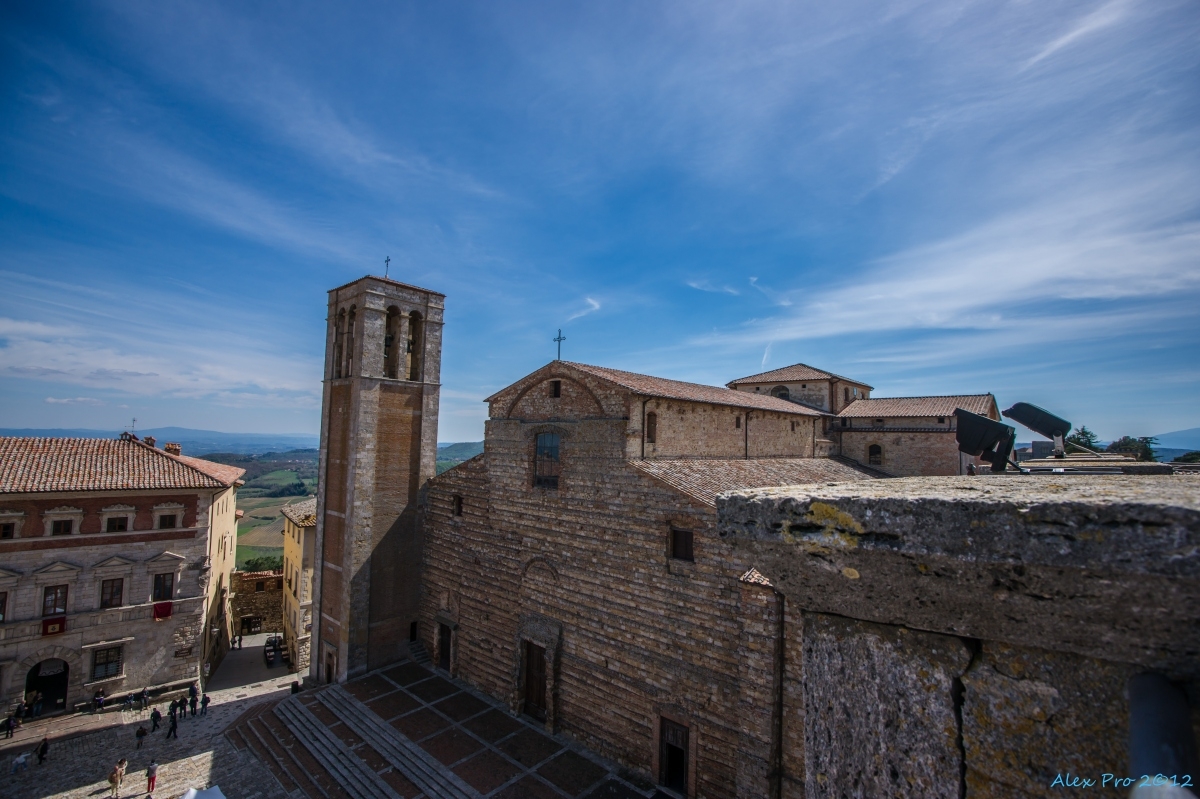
(32, 465)
(703, 479)
(649, 386)
(982, 404)
(302, 514)
(791, 374)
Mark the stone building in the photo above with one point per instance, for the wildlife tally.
(257, 602)
(378, 448)
(909, 436)
(114, 567)
(576, 571)
(299, 547)
(900, 436)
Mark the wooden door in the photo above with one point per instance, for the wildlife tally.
(673, 756)
(444, 647)
(535, 681)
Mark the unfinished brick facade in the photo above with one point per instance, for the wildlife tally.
(631, 631)
(257, 602)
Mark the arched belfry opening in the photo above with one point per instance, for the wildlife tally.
(416, 344)
(392, 342)
(348, 365)
(339, 339)
(781, 392)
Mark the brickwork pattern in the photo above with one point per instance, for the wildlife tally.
(249, 602)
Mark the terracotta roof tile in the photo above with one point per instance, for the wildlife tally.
(32, 465)
(302, 514)
(703, 479)
(649, 386)
(982, 404)
(790, 374)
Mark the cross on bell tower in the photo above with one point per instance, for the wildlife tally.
(559, 340)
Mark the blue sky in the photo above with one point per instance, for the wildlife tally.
(932, 197)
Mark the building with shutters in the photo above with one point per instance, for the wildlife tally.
(114, 567)
(299, 548)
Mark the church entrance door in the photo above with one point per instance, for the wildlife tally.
(673, 755)
(535, 681)
(49, 678)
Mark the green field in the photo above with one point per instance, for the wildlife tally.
(245, 553)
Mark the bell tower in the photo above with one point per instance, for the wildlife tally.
(379, 415)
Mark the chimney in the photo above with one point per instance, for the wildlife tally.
(171, 448)
(149, 440)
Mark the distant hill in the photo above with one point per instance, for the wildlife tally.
(459, 452)
(194, 442)
(1188, 440)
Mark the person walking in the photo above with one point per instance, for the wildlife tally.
(8, 726)
(173, 728)
(141, 735)
(20, 712)
(204, 700)
(173, 708)
(151, 776)
(42, 750)
(21, 762)
(116, 777)
(155, 718)
(192, 703)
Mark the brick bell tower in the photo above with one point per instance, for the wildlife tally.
(379, 417)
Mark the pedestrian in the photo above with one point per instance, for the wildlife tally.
(155, 718)
(173, 728)
(192, 690)
(117, 776)
(192, 703)
(20, 714)
(174, 707)
(145, 699)
(141, 735)
(21, 762)
(151, 776)
(42, 750)
(8, 726)
(204, 700)
(37, 703)
(239, 641)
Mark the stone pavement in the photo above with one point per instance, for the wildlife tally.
(78, 766)
(406, 731)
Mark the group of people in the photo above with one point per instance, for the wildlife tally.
(21, 762)
(29, 707)
(99, 699)
(116, 777)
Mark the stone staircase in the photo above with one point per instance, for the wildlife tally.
(261, 732)
(419, 654)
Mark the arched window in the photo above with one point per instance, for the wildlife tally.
(651, 428)
(416, 345)
(339, 335)
(781, 392)
(546, 463)
(391, 344)
(348, 369)
(875, 455)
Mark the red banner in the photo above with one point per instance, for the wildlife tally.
(162, 610)
(54, 626)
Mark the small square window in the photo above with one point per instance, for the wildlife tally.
(62, 526)
(116, 524)
(106, 663)
(167, 521)
(164, 587)
(457, 505)
(555, 388)
(279, 584)
(111, 592)
(845, 423)
(8, 529)
(941, 420)
(681, 544)
(260, 586)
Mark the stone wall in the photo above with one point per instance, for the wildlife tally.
(967, 636)
(248, 601)
(906, 454)
(631, 635)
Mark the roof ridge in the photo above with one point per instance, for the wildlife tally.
(825, 372)
(919, 396)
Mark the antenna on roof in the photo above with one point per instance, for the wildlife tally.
(133, 427)
(387, 264)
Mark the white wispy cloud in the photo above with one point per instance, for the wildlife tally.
(592, 307)
(705, 285)
(1106, 16)
(73, 401)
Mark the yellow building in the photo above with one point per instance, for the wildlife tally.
(299, 526)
